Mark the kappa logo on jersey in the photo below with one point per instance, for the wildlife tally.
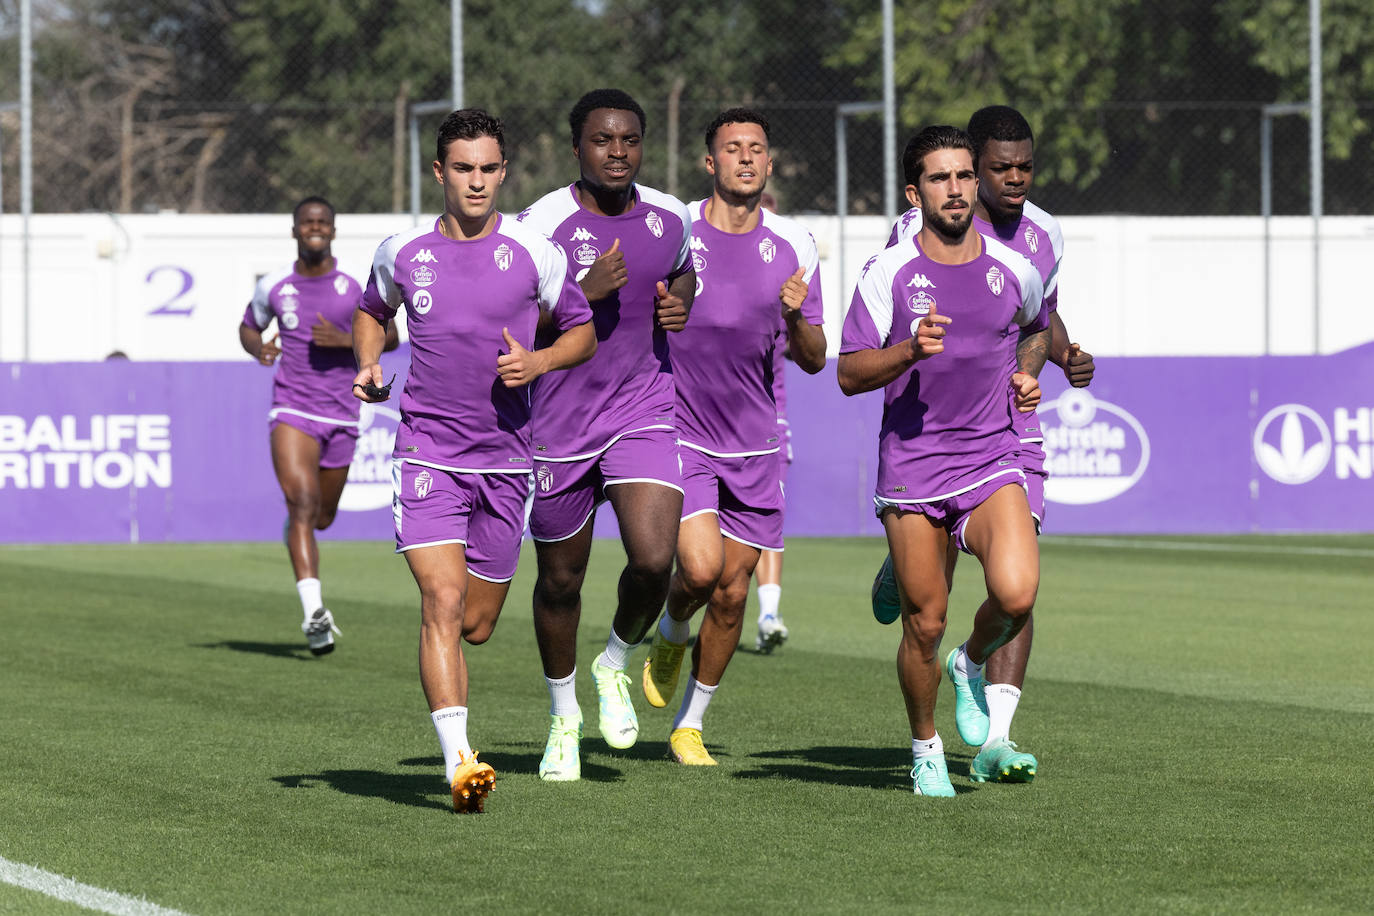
(422, 276)
(921, 281)
(921, 303)
(424, 256)
(288, 290)
(422, 302)
(582, 235)
(996, 282)
(341, 286)
(520, 217)
(503, 256)
(423, 482)
(867, 264)
(767, 250)
(1032, 239)
(697, 244)
(585, 254)
(655, 223)
(545, 478)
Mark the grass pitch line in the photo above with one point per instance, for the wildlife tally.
(83, 895)
(1134, 544)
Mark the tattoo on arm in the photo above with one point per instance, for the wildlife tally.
(1032, 351)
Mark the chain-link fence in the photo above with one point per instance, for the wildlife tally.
(235, 107)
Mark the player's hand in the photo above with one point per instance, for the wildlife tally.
(669, 310)
(1027, 388)
(270, 351)
(370, 375)
(930, 334)
(519, 366)
(324, 333)
(1078, 366)
(606, 275)
(793, 293)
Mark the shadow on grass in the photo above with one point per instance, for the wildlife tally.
(858, 767)
(274, 649)
(510, 760)
(402, 788)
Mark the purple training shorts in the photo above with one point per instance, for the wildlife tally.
(567, 492)
(744, 493)
(336, 442)
(484, 512)
(952, 513)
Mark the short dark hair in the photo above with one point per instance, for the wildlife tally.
(735, 116)
(314, 199)
(617, 99)
(469, 124)
(930, 139)
(998, 122)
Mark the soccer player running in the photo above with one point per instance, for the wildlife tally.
(753, 269)
(1006, 163)
(474, 286)
(605, 431)
(313, 423)
(938, 325)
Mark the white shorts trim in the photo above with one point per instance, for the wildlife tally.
(715, 512)
(706, 451)
(567, 537)
(661, 483)
(477, 575)
(739, 540)
(278, 411)
(882, 502)
(433, 544)
(609, 442)
(402, 459)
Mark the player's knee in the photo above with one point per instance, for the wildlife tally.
(303, 504)
(324, 518)
(1018, 598)
(651, 561)
(698, 578)
(557, 586)
(442, 607)
(925, 622)
(478, 631)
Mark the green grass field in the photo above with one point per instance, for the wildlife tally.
(1202, 709)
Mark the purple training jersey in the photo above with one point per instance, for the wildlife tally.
(725, 361)
(947, 425)
(628, 384)
(311, 381)
(1036, 236)
(455, 412)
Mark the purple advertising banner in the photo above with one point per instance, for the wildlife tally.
(121, 451)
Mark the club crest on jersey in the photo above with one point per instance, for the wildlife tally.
(503, 256)
(655, 223)
(582, 235)
(1032, 239)
(422, 276)
(921, 302)
(996, 281)
(341, 286)
(424, 256)
(921, 281)
(767, 250)
(423, 482)
(545, 478)
(421, 302)
(585, 254)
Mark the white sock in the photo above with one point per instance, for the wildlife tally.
(1002, 700)
(451, 723)
(769, 597)
(964, 665)
(311, 599)
(694, 702)
(675, 631)
(927, 747)
(563, 695)
(617, 653)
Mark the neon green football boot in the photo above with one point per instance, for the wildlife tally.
(1000, 761)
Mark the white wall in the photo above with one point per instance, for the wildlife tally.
(1131, 286)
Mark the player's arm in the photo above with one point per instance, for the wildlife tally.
(519, 366)
(369, 337)
(393, 337)
(805, 341)
(1076, 362)
(1033, 350)
(868, 370)
(264, 351)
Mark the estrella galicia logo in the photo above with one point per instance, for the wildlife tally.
(1094, 452)
(1292, 444)
(369, 475)
(422, 276)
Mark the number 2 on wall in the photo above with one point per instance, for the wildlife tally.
(170, 306)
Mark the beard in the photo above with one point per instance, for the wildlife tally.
(952, 229)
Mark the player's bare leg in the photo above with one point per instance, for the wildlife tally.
(561, 570)
(648, 514)
(1003, 538)
(296, 460)
(441, 573)
(772, 632)
(332, 482)
(700, 562)
(918, 549)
